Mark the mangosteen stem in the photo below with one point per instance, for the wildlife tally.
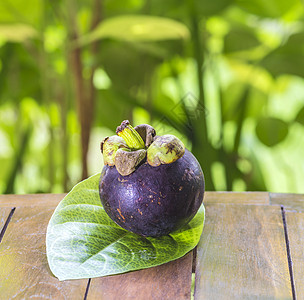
(130, 135)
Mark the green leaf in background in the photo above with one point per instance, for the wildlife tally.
(28, 12)
(300, 116)
(269, 8)
(137, 28)
(287, 59)
(119, 58)
(113, 7)
(271, 131)
(232, 97)
(83, 242)
(16, 32)
(209, 8)
(239, 39)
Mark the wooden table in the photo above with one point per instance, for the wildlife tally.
(252, 247)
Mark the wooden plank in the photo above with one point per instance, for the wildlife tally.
(242, 254)
(30, 200)
(295, 228)
(24, 271)
(291, 202)
(261, 198)
(168, 281)
(210, 197)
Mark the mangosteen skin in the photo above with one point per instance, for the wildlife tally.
(153, 201)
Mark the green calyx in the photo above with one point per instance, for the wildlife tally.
(130, 135)
(165, 149)
(134, 146)
(109, 147)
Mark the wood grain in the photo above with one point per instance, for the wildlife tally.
(291, 202)
(295, 228)
(210, 197)
(261, 198)
(168, 281)
(24, 271)
(30, 200)
(242, 254)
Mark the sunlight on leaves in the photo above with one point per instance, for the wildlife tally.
(138, 28)
(16, 32)
(27, 12)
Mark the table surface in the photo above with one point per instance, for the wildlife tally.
(251, 248)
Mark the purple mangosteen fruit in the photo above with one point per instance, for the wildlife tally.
(150, 185)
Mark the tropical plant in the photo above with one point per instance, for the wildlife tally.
(225, 76)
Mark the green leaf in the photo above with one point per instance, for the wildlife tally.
(114, 7)
(171, 8)
(19, 11)
(269, 8)
(239, 39)
(271, 131)
(208, 8)
(17, 32)
(287, 59)
(232, 97)
(137, 28)
(83, 242)
(118, 58)
(300, 116)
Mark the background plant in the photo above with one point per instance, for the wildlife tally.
(225, 76)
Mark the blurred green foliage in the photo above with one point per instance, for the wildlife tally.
(226, 76)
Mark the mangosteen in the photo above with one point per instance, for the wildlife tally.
(150, 185)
